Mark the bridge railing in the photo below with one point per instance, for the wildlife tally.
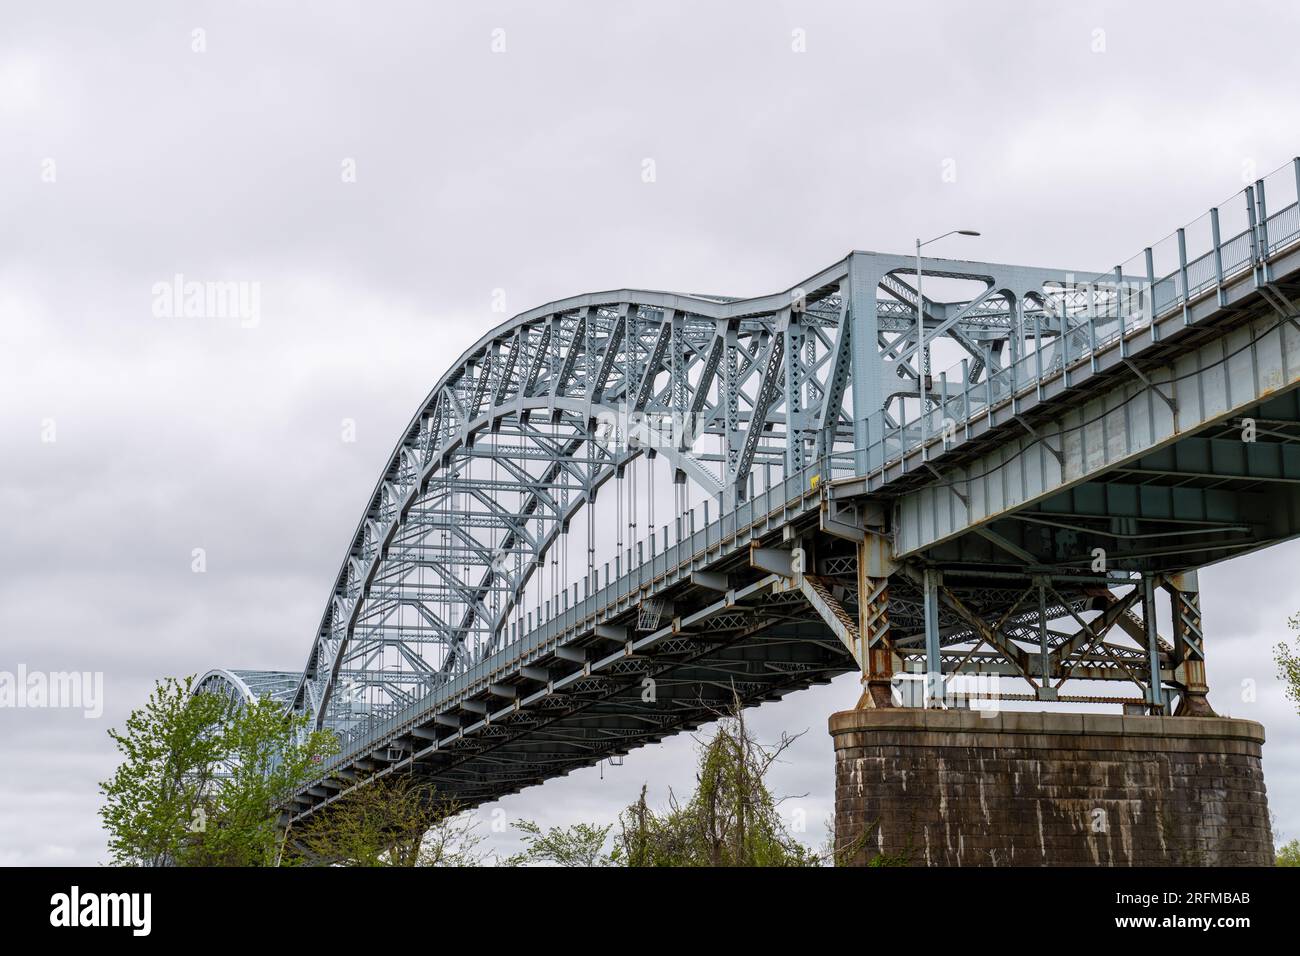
(654, 565)
(1093, 312)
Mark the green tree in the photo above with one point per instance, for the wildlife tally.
(732, 819)
(1288, 671)
(580, 845)
(266, 756)
(202, 780)
(169, 754)
(1288, 664)
(1289, 854)
(396, 820)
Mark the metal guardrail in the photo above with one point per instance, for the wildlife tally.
(1153, 284)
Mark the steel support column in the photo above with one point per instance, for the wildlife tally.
(932, 580)
(1155, 692)
(1189, 645)
(877, 650)
(1045, 691)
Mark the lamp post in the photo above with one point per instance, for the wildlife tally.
(920, 326)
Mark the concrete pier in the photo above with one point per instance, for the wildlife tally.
(957, 788)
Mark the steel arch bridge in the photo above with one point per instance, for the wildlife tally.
(508, 609)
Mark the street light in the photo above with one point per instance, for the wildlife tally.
(920, 325)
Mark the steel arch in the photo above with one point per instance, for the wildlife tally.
(244, 687)
(621, 358)
(560, 399)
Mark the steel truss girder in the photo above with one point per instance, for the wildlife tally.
(1008, 630)
(501, 381)
(556, 731)
(445, 550)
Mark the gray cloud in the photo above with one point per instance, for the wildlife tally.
(518, 171)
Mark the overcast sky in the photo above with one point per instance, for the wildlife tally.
(1076, 137)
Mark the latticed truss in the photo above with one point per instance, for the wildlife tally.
(246, 687)
(524, 430)
(1057, 634)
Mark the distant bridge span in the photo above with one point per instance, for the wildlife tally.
(509, 609)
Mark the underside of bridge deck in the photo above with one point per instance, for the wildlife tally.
(1067, 590)
(683, 683)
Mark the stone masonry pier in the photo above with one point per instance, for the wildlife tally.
(957, 788)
